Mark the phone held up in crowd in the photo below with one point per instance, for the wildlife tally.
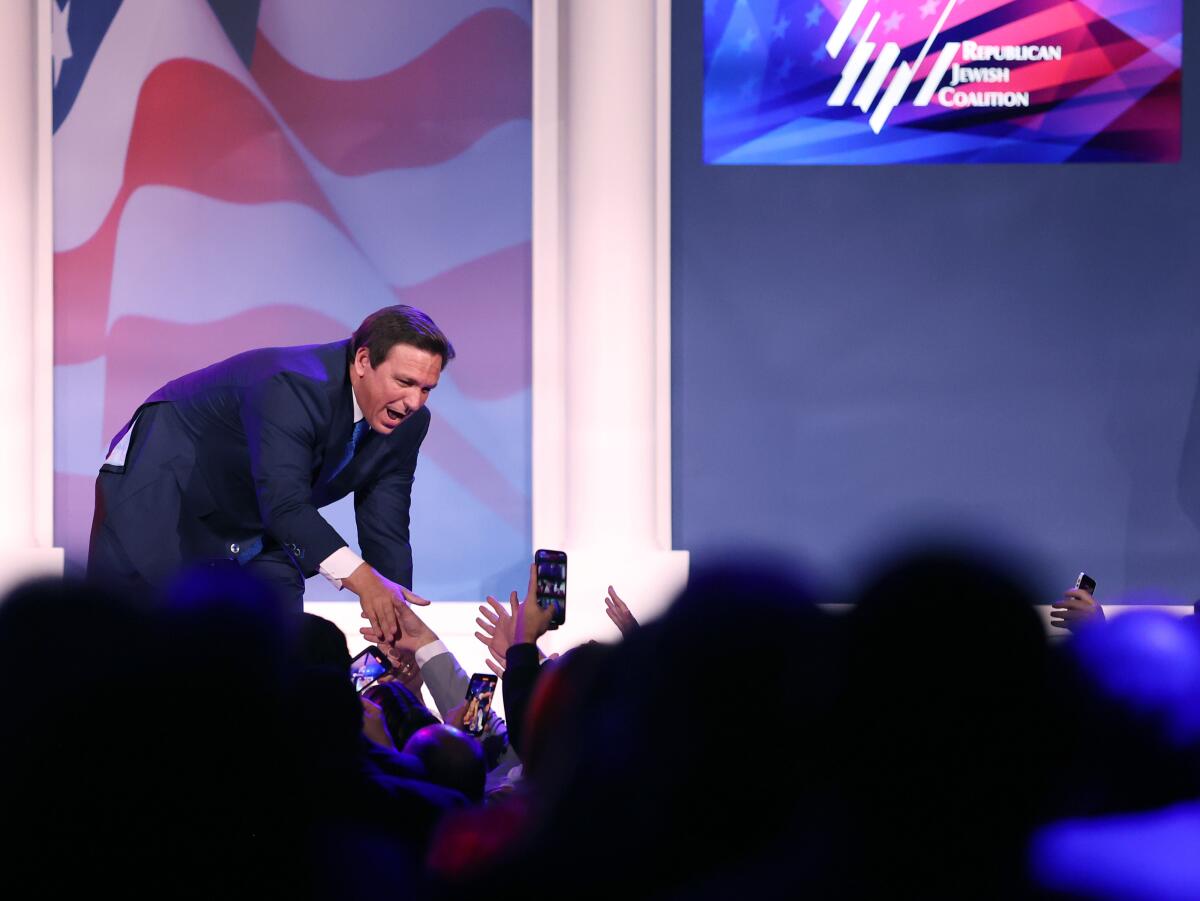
(479, 701)
(552, 584)
(367, 667)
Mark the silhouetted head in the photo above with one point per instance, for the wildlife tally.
(1129, 695)
(318, 642)
(451, 758)
(403, 712)
(1148, 662)
(692, 744)
(946, 756)
(560, 697)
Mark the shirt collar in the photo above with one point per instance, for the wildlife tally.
(358, 413)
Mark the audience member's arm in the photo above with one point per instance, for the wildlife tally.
(419, 644)
(530, 622)
(374, 726)
(404, 667)
(1077, 610)
(494, 738)
(445, 678)
(619, 613)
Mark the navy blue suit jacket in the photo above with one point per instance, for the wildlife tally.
(249, 446)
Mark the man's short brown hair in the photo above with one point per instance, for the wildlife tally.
(401, 324)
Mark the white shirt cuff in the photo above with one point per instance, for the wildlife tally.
(425, 653)
(340, 565)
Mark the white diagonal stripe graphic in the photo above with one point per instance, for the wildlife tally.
(891, 97)
(870, 87)
(854, 66)
(934, 78)
(837, 40)
(933, 35)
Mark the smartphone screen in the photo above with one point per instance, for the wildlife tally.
(479, 701)
(552, 584)
(367, 667)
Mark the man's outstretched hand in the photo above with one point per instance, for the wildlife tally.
(384, 604)
(413, 633)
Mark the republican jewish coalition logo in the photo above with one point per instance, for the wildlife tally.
(953, 95)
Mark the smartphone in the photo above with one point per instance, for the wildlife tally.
(479, 701)
(552, 584)
(367, 667)
(1086, 582)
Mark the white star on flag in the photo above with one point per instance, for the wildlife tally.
(60, 47)
(813, 16)
(892, 22)
(928, 8)
(779, 29)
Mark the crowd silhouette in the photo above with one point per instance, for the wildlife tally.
(931, 742)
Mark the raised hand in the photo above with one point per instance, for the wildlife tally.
(497, 626)
(1077, 610)
(619, 613)
(530, 620)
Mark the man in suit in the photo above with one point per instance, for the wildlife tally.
(232, 462)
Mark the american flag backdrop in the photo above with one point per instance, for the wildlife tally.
(231, 174)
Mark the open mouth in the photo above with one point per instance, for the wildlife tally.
(393, 416)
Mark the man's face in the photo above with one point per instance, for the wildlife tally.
(395, 389)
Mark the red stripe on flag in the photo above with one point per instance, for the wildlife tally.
(483, 307)
(197, 128)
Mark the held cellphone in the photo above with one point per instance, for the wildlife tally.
(552, 584)
(367, 667)
(479, 701)
(1086, 582)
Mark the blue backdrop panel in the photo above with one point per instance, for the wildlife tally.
(862, 353)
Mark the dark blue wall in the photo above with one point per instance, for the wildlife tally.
(1012, 352)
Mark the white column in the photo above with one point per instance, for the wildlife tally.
(601, 305)
(26, 295)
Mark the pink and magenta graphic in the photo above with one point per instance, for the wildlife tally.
(844, 82)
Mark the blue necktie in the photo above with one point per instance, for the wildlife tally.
(360, 430)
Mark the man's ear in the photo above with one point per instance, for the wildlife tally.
(362, 360)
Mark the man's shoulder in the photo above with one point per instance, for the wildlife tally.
(321, 366)
(322, 363)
